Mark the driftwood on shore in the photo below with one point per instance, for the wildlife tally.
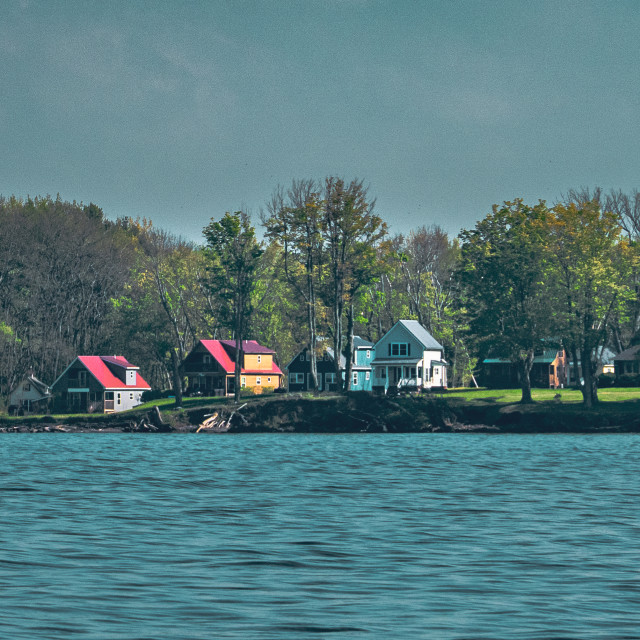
(153, 421)
(216, 422)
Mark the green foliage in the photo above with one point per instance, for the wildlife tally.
(503, 273)
(627, 380)
(233, 255)
(606, 380)
(590, 267)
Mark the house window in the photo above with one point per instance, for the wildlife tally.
(296, 378)
(243, 382)
(382, 372)
(329, 378)
(302, 357)
(368, 354)
(367, 375)
(206, 358)
(355, 379)
(82, 378)
(131, 396)
(399, 349)
(268, 380)
(259, 359)
(258, 381)
(119, 398)
(27, 387)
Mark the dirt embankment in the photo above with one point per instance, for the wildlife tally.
(353, 413)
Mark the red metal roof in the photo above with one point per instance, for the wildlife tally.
(217, 349)
(101, 372)
(248, 346)
(121, 361)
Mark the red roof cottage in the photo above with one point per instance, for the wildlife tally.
(99, 383)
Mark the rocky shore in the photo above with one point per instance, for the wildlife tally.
(353, 413)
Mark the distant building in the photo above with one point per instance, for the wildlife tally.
(408, 357)
(99, 383)
(628, 362)
(549, 370)
(210, 368)
(29, 396)
(361, 369)
(299, 369)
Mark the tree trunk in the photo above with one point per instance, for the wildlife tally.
(311, 316)
(590, 387)
(349, 367)
(524, 368)
(576, 366)
(238, 366)
(337, 334)
(177, 378)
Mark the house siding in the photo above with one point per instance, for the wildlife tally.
(301, 364)
(403, 362)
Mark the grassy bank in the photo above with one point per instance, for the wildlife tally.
(453, 410)
(571, 396)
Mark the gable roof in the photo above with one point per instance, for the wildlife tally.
(361, 343)
(421, 334)
(40, 386)
(327, 350)
(248, 346)
(215, 348)
(97, 367)
(343, 360)
(222, 350)
(418, 332)
(628, 354)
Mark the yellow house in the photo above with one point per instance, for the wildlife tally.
(210, 367)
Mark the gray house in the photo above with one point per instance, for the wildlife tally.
(408, 358)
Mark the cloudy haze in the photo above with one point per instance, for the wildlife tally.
(179, 112)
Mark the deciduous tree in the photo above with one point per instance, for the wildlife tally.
(503, 277)
(233, 254)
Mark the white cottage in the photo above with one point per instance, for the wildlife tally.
(30, 395)
(408, 357)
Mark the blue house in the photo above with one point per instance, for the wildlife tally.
(361, 371)
(299, 369)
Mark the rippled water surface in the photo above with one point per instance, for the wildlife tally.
(297, 536)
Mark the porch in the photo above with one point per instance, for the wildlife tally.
(407, 376)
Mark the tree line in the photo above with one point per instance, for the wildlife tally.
(74, 282)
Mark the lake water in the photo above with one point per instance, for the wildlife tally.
(373, 536)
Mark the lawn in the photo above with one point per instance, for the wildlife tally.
(612, 394)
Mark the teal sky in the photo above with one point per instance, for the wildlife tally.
(180, 111)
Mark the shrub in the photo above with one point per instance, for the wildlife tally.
(606, 380)
(155, 394)
(628, 380)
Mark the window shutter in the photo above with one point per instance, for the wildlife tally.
(409, 349)
(389, 347)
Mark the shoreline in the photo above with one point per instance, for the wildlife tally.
(352, 413)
